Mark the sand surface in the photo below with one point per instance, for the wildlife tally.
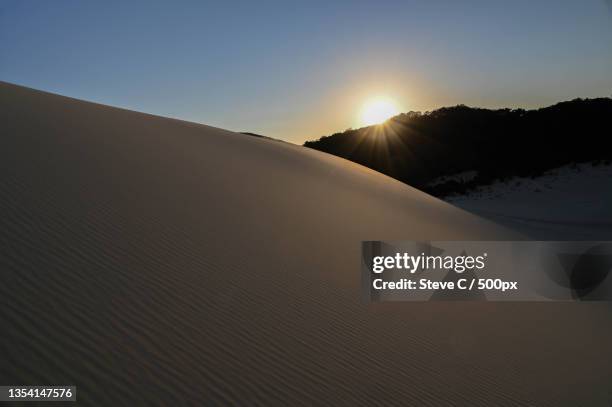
(572, 202)
(151, 261)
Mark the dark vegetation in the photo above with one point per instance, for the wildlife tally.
(248, 133)
(498, 144)
(253, 134)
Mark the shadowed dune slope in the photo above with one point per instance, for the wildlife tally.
(155, 261)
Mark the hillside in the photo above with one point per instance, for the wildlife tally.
(419, 148)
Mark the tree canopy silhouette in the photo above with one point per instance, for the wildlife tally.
(418, 148)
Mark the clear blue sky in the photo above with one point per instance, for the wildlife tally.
(300, 71)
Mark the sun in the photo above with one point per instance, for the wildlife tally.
(376, 111)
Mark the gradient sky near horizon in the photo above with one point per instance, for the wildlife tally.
(297, 71)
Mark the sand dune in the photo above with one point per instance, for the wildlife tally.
(570, 202)
(152, 261)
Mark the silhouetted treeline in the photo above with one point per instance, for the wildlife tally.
(418, 148)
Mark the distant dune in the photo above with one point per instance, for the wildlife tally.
(152, 261)
(570, 202)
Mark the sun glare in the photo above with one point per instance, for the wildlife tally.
(376, 111)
